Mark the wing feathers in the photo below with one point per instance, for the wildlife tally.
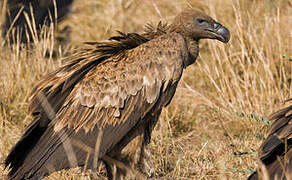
(112, 88)
(276, 152)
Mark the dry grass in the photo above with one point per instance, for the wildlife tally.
(217, 119)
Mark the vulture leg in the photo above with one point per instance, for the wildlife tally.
(142, 159)
(145, 160)
(137, 153)
(132, 150)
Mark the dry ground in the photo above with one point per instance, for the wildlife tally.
(218, 117)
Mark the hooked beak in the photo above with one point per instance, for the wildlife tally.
(220, 32)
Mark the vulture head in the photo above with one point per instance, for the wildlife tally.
(194, 24)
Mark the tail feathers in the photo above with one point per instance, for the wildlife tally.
(27, 160)
(23, 147)
(42, 151)
(52, 152)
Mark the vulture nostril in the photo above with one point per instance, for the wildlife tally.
(216, 25)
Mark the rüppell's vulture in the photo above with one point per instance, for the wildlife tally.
(89, 110)
(275, 154)
(21, 14)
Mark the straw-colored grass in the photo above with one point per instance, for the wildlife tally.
(218, 117)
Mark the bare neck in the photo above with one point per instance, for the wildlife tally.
(192, 44)
(193, 48)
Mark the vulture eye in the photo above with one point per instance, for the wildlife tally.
(202, 21)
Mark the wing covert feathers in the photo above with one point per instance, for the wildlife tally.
(92, 89)
(100, 97)
(276, 151)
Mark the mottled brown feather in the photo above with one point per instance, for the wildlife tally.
(107, 86)
(276, 151)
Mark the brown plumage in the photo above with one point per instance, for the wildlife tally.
(109, 94)
(275, 154)
(43, 14)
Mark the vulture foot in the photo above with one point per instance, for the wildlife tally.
(116, 170)
(142, 157)
(146, 165)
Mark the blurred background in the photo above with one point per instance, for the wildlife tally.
(218, 117)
